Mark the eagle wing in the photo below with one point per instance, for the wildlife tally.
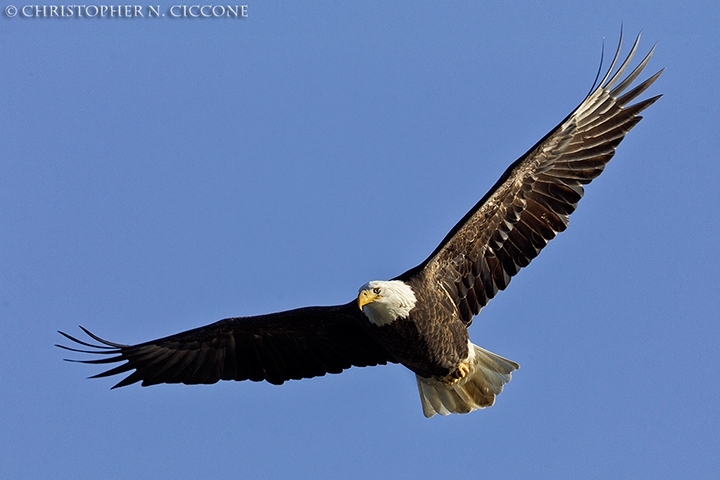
(532, 200)
(301, 343)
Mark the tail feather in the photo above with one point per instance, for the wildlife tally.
(487, 376)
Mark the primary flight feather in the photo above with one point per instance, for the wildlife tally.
(420, 318)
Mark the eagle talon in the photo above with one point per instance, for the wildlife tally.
(460, 372)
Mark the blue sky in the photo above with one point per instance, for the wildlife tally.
(160, 174)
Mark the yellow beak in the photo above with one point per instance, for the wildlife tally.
(365, 297)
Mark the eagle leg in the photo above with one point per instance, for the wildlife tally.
(460, 372)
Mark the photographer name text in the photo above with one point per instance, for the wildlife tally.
(127, 11)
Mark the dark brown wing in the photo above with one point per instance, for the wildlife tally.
(532, 200)
(302, 343)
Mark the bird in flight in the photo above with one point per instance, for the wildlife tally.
(420, 318)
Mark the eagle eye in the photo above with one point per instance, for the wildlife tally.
(376, 290)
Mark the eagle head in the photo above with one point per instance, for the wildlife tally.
(383, 302)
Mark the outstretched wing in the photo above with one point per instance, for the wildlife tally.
(531, 202)
(302, 343)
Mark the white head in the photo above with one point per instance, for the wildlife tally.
(383, 302)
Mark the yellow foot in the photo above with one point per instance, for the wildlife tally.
(461, 372)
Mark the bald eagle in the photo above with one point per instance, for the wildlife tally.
(420, 318)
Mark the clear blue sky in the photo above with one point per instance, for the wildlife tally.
(160, 174)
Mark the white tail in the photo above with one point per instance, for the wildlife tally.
(488, 373)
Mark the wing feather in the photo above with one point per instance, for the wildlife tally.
(533, 199)
(302, 343)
